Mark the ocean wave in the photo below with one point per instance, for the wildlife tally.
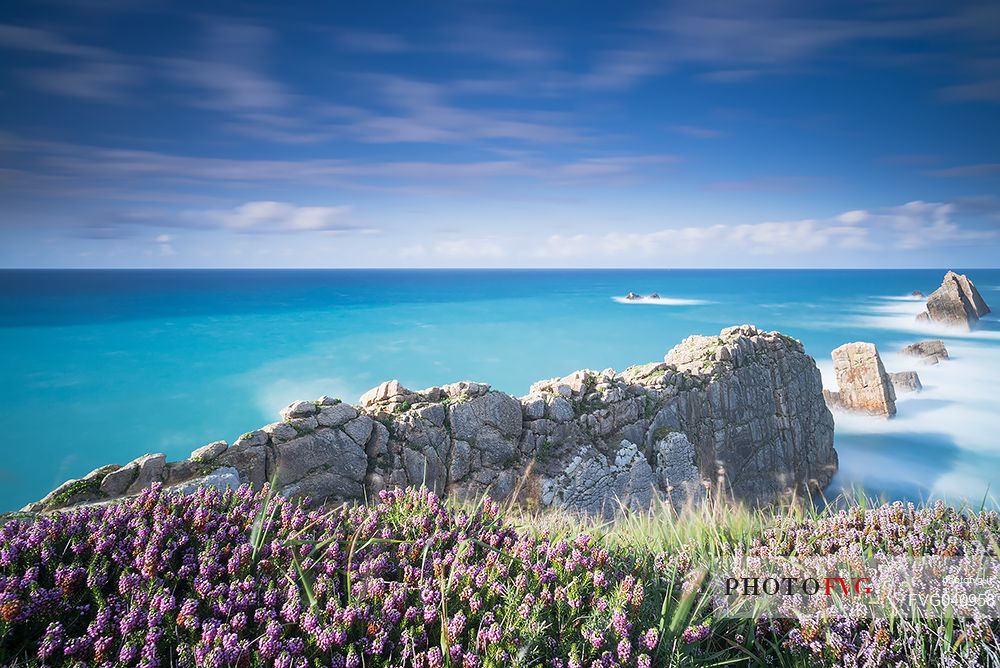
(662, 301)
(898, 314)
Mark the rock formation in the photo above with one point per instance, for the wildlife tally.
(929, 352)
(905, 381)
(862, 383)
(633, 296)
(917, 293)
(956, 303)
(742, 410)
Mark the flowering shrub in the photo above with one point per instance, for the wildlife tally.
(238, 578)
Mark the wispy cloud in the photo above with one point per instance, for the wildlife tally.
(276, 217)
(985, 169)
(737, 42)
(97, 81)
(697, 131)
(54, 165)
(229, 75)
(908, 227)
(88, 72)
(781, 184)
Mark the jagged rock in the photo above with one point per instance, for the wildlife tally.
(917, 293)
(676, 472)
(207, 453)
(279, 432)
(328, 449)
(596, 485)
(149, 470)
(632, 296)
(655, 295)
(389, 394)
(223, 477)
(752, 401)
(862, 381)
(465, 389)
(905, 381)
(745, 405)
(252, 438)
(250, 460)
(957, 302)
(930, 352)
(73, 492)
(360, 428)
(533, 406)
(298, 409)
(560, 410)
(336, 415)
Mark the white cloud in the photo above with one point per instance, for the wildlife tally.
(853, 217)
(163, 243)
(908, 227)
(97, 81)
(487, 247)
(272, 217)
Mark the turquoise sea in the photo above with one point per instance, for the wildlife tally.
(102, 366)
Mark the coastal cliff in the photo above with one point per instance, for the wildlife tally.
(743, 410)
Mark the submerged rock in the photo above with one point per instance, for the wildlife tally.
(905, 381)
(743, 409)
(929, 352)
(862, 383)
(956, 303)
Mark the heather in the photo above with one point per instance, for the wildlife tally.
(245, 578)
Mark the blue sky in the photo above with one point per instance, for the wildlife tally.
(332, 134)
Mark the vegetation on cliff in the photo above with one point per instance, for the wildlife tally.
(243, 578)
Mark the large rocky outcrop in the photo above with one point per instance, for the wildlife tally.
(956, 303)
(742, 410)
(862, 383)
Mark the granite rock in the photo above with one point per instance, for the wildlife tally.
(862, 381)
(956, 303)
(905, 381)
(929, 352)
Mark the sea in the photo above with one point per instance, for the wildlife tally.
(103, 366)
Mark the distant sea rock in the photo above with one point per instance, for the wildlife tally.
(742, 411)
(956, 303)
(929, 352)
(905, 381)
(862, 382)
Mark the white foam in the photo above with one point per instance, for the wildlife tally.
(900, 314)
(662, 301)
(952, 422)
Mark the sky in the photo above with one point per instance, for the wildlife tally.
(718, 133)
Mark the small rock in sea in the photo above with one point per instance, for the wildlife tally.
(906, 381)
(929, 352)
(655, 295)
(916, 293)
(632, 296)
(862, 381)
